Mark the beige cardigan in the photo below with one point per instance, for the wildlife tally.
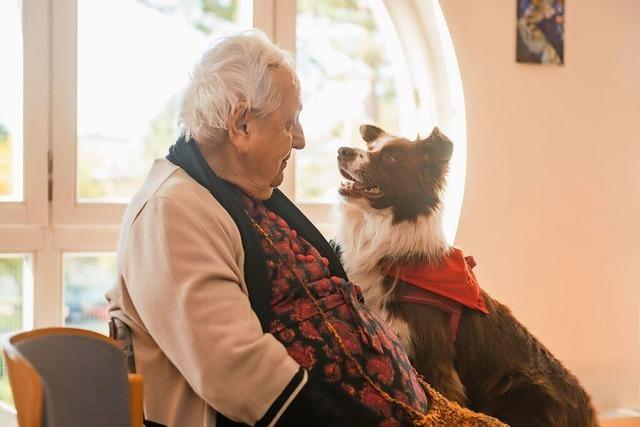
(181, 290)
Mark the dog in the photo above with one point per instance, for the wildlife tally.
(461, 340)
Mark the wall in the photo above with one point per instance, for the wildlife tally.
(552, 201)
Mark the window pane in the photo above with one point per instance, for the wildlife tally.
(351, 71)
(87, 277)
(15, 305)
(129, 83)
(10, 101)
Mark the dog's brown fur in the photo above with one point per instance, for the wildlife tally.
(495, 365)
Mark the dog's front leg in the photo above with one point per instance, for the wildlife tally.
(431, 348)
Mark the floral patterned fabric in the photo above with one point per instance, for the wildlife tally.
(297, 323)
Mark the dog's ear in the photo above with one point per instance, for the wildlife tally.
(371, 133)
(438, 147)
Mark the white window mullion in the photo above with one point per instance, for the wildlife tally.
(64, 105)
(264, 16)
(47, 292)
(285, 24)
(36, 107)
(27, 295)
(85, 238)
(63, 111)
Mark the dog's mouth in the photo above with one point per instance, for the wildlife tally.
(361, 186)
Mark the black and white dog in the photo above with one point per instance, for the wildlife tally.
(465, 343)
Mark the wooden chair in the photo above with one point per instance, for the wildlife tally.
(71, 377)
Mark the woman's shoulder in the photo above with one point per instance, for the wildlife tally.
(168, 185)
(179, 187)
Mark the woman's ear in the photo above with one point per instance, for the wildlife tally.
(238, 126)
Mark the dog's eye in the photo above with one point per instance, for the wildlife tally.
(389, 158)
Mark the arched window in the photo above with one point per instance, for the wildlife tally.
(388, 62)
(429, 50)
(89, 98)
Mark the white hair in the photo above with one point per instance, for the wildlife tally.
(235, 69)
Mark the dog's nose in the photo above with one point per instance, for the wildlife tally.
(346, 153)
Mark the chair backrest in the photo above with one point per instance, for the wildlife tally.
(82, 376)
(26, 387)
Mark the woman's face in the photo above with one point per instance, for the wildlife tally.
(272, 137)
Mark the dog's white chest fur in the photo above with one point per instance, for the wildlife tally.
(368, 237)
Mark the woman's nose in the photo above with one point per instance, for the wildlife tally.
(298, 138)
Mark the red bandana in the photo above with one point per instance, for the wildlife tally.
(453, 279)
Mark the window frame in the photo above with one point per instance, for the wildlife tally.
(47, 225)
(49, 222)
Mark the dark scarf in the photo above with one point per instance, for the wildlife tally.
(186, 155)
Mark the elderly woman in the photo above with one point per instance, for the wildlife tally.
(240, 310)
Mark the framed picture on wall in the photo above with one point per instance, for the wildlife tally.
(540, 31)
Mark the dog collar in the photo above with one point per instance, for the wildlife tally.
(453, 278)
